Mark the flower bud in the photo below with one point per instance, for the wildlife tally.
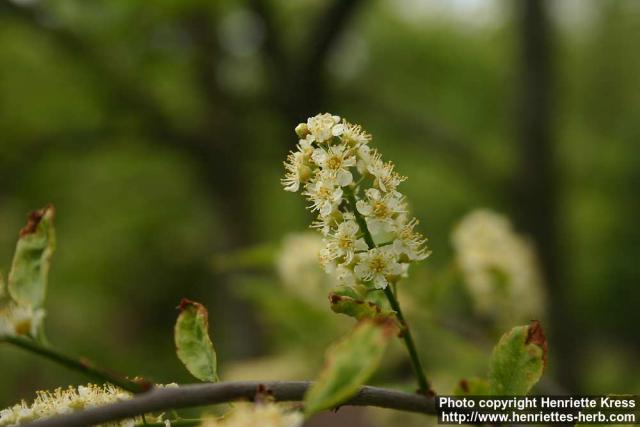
(302, 130)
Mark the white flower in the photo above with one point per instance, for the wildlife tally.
(320, 127)
(409, 242)
(386, 179)
(336, 161)
(258, 415)
(324, 193)
(351, 134)
(298, 166)
(64, 401)
(296, 172)
(365, 156)
(327, 260)
(379, 266)
(298, 269)
(499, 267)
(305, 148)
(381, 209)
(345, 275)
(345, 241)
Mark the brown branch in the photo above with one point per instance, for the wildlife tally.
(207, 394)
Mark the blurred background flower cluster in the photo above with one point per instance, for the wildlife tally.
(158, 130)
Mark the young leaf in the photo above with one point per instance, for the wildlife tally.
(30, 267)
(357, 308)
(349, 363)
(194, 347)
(473, 387)
(518, 360)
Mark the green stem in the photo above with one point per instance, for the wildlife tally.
(82, 365)
(424, 386)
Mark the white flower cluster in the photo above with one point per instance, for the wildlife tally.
(499, 267)
(297, 262)
(64, 401)
(348, 184)
(258, 415)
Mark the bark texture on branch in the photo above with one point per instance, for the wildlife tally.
(207, 394)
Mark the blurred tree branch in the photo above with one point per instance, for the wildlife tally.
(125, 92)
(273, 48)
(220, 137)
(299, 81)
(436, 136)
(213, 145)
(122, 91)
(311, 74)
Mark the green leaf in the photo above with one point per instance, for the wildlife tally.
(518, 360)
(356, 308)
(30, 268)
(473, 387)
(348, 364)
(194, 347)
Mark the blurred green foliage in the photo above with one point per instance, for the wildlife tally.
(93, 94)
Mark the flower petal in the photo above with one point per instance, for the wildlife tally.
(344, 177)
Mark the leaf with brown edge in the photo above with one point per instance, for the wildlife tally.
(349, 363)
(518, 360)
(473, 386)
(27, 281)
(193, 344)
(536, 336)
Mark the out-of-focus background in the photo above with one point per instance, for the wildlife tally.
(158, 130)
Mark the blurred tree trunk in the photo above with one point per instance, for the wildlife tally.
(536, 183)
(299, 82)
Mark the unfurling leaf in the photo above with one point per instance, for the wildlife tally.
(349, 363)
(472, 387)
(518, 360)
(194, 347)
(30, 268)
(358, 309)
